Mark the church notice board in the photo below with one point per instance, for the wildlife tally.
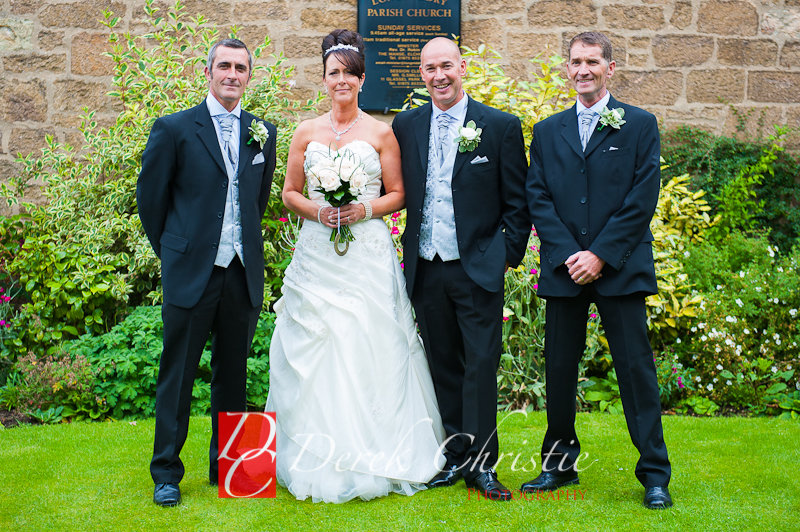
(394, 32)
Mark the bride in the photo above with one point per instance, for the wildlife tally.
(349, 381)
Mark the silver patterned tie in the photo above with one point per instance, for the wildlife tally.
(226, 123)
(586, 117)
(444, 127)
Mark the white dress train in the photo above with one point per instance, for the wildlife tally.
(349, 381)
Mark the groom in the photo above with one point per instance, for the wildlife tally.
(202, 193)
(592, 189)
(466, 223)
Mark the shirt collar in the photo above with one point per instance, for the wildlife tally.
(215, 108)
(455, 112)
(596, 107)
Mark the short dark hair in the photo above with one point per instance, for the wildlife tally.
(228, 43)
(353, 60)
(593, 38)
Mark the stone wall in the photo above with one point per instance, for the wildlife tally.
(710, 63)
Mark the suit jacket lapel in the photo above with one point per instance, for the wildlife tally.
(422, 128)
(208, 134)
(246, 150)
(598, 136)
(570, 131)
(475, 114)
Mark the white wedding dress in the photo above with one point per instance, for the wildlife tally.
(349, 381)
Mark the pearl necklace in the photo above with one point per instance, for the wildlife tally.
(339, 134)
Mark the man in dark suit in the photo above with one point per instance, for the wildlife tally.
(592, 190)
(202, 192)
(467, 222)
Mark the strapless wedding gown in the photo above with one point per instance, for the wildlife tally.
(349, 381)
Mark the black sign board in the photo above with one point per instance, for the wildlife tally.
(394, 33)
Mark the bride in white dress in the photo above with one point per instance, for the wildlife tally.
(349, 381)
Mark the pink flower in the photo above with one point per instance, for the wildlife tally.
(395, 215)
(2, 322)
(592, 315)
(5, 298)
(395, 231)
(1, 289)
(536, 287)
(680, 383)
(674, 369)
(8, 325)
(506, 318)
(534, 271)
(283, 219)
(402, 266)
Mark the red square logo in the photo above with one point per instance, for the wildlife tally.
(247, 454)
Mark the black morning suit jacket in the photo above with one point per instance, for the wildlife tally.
(181, 196)
(492, 221)
(601, 200)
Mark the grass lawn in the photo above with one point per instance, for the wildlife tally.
(728, 474)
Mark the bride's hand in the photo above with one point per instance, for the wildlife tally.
(348, 214)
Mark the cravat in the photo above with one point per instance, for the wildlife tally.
(226, 128)
(444, 128)
(586, 117)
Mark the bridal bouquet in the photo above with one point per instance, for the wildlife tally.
(341, 178)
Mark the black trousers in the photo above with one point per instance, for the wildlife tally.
(461, 327)
(226, 312)
(625, 323)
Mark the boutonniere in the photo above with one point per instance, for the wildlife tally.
(611, 117)
(468, 137)
(258, 131)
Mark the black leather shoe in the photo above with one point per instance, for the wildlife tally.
(167, 494)
(657, 498)
(549, 482)
(213, 479)
(490, 487)
(447, 477)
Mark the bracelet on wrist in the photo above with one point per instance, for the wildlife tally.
(367, 210)
(319, 213)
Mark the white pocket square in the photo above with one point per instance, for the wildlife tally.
(479, 160)
(258, 159)
(612, 148)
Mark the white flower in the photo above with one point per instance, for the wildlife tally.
(728, 383)
(746, 331)
(730, 319)
(358, 182)
(716, 380)
(771, 253)
(758, 289)
(329, 179)
(719, 287)
(793, 312)
(701, 325)
(611, 117)
(774, 369)
(703, 338)
(697, 379)
(685, 253)
(741, 274)
(777, 342)
(739, 302)
(292, 83)
(258, 132)
(710, 387)
(468, 133)
(719, 367)
(780, 269)
(776, 301)
(694, 357)
(789, 366)
(694, 329)
(718, 349)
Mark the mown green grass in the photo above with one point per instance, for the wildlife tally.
(728, 474)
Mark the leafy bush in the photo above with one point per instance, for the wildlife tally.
(126, 360)
(63, 383)
(680, 219)
(85, 259)
(713, 161)
(750, 313)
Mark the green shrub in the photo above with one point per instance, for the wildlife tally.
(713, 161)
(86, 260)
(126, 360)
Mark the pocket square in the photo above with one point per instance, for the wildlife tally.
(479, 160)
(612, 148)
(258, 159)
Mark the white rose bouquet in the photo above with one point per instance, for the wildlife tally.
(341, 179)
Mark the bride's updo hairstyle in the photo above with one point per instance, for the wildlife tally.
(343, 42)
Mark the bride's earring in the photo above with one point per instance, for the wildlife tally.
(361, 88)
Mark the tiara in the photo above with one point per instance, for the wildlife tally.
(340, 46)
